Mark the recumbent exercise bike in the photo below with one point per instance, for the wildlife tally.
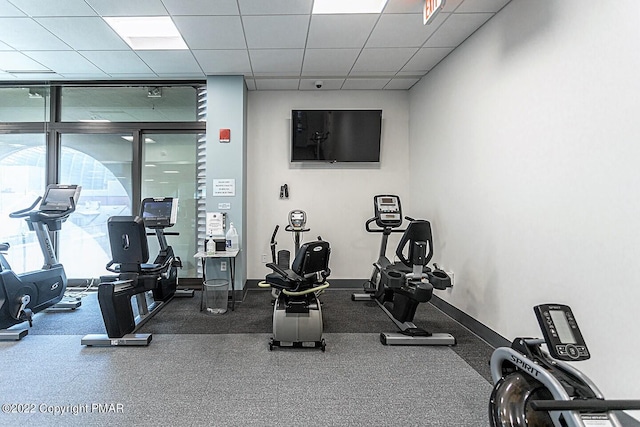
(23, 295)
(399, 287)
(297, 311)
(135, 278)
(534, 388)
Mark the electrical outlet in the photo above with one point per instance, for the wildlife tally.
(264, 259)
(223, 266)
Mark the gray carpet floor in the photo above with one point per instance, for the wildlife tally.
(234, 380)
(204, 370)
(254, 315)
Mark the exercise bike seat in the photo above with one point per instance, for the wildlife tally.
(310, 268)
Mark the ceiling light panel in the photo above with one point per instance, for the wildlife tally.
(147, 32)
(352, 6)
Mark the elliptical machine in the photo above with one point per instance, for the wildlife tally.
(23, 295)
(399, 287)
(297, 311)
(538, 388)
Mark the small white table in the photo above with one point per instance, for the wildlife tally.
(231, 256)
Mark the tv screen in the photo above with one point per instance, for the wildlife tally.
(336, 135)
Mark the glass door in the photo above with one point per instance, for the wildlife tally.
(102, 165)
(169, 170)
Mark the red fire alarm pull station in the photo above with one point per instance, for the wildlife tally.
(225, 135)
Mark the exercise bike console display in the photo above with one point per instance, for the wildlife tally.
(58, 197)
(297, 220)
(561, 333)
(160, 212)
(387, 211)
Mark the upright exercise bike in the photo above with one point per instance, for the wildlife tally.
(23, 295)
(159, 213)
(538, 388)
(399, 287)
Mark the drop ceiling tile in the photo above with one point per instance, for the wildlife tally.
(365, 84)
(39, 76)
(36, 8)
(401, 84)
(383, 59)
(5, 47)
(368, 73)
(285, 61)
(63, 62)
(426, 58)
(81, 76)
(211, 32)
(7, 9)
(223, 61)
(327, 84)
(182, 75)
(275, 7)
(117, 61)
(132, 76)
(26, 34)
(329, 61)
(201, 7)
(84, 33)
(265, 32)
(404, 6)
(403, 30)
(128, 7)
(451, 5)
(457, 28)
(277, 84)
(170, 61)
(10, 61)
(482, 5)
(340, 31)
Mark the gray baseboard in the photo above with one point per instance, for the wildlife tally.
(489, 335)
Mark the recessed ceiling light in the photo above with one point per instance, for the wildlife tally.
(351, 6)
(171, 171)
(147, 32)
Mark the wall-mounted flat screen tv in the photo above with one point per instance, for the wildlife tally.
(335, 135)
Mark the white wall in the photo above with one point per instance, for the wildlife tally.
(525, 155)
(338, 199)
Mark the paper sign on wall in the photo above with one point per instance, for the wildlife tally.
(224, 187)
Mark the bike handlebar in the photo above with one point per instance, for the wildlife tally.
(46, 215)
(381, 230)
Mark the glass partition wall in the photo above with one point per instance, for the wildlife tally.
(120, 144)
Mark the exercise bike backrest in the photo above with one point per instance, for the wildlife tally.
(418, 230)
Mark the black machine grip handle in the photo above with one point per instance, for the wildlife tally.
(25, 212)
(596, 405)
(290, 228)
(386, 230)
